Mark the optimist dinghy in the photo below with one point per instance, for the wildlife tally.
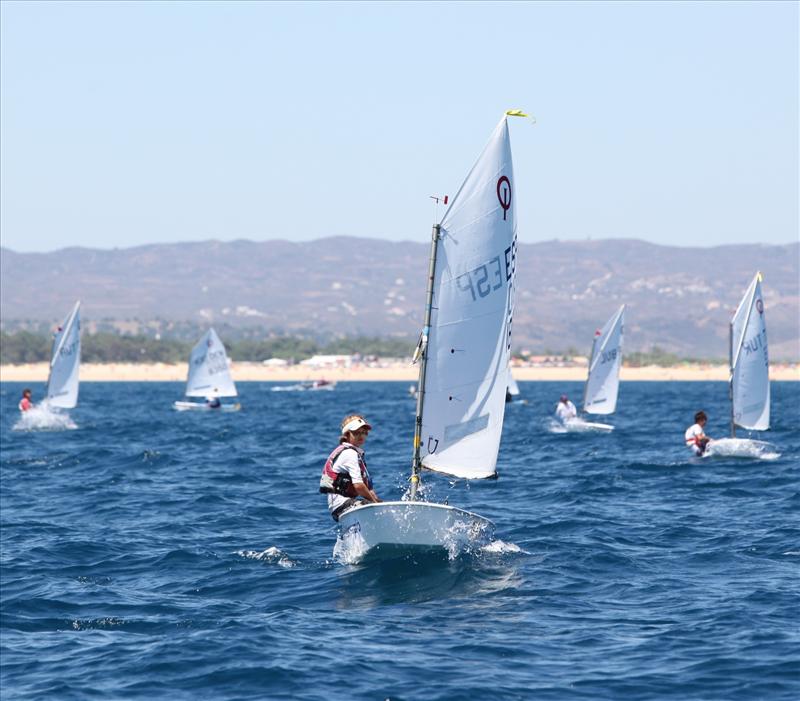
(749, 378)
(463, 355)
(602, 383)
(209, 376)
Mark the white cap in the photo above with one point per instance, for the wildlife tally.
(354, 425)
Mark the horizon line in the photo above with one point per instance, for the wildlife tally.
(610, 239)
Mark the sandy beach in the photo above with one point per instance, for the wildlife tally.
(244, 372)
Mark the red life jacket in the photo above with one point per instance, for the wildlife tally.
(25, 404)
(332, 482)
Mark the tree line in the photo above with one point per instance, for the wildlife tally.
(103, 347)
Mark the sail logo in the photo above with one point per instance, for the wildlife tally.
(504, 194)
(760, 306)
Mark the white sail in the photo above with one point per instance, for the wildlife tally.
(469, 340)
(750, 361)
(602, 384)
(62, 385)
(513, 387)
(209, 374)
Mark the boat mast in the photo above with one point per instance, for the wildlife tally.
(730, 379)
(588, 376)
(416, 465)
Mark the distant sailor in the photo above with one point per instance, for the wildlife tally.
(696, 439)
(213, 402)
(25, 404)
(566, 409)
(345, 478)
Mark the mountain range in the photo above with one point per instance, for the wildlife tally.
(679, 299)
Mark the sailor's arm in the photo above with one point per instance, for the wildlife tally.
(366, 492)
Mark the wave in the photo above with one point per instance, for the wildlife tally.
(272, 555)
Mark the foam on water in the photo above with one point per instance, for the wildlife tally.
(43, 418)
(272, 554)
(741, 448)
(499, 546)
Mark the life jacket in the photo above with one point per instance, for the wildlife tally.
(697, 442)
(332, 482)
(25, 404)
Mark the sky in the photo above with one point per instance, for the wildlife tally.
(124, 124)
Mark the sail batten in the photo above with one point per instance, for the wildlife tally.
(209, 369)
(602, 383)
(750, 390)
(468, 342)
(63, 382)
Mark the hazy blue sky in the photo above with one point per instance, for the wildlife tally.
(131, 123)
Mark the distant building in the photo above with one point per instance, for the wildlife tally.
(328, 361)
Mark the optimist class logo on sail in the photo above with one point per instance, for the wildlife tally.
(504, 194)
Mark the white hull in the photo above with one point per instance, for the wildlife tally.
(198, 406)
(581, 426)
(409, 524)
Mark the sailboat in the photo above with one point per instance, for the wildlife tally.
(65, 360)
(512, 392)
(749, 390)
(209, 376)
(463, 356)
(602, 382)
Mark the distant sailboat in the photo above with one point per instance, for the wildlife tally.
(602, 382)
(513, 393)
(749, 389)
(464, 353)
(63, 382)
(209, 376)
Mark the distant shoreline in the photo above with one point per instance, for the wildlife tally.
(256, 372)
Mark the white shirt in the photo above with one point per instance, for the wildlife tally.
(691, 433)
(566, 410)
(346, 461)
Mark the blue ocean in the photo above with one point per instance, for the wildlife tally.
(150, 554)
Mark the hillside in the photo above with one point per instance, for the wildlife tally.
(680, 299)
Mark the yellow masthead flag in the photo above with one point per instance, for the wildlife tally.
(516, 113)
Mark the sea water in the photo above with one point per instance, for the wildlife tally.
(150, 554)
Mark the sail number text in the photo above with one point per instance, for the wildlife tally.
(608, 356)
(215, 359)
(66, 351)
(488, 277)
(756, 343)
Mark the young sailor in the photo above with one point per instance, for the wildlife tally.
(696, 439)
(565, 410)
(345, 478)
(25, 403)
(213, 402)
